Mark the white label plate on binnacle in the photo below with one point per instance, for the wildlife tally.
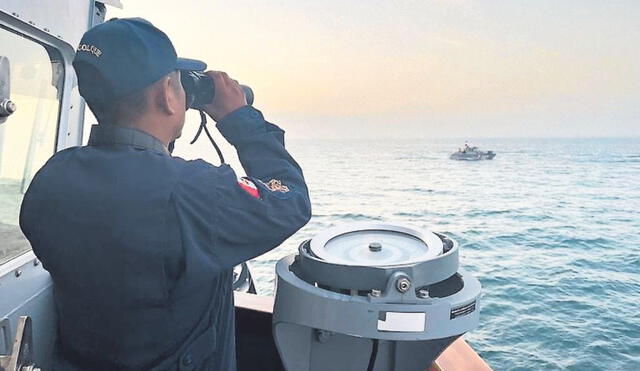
(402, 321)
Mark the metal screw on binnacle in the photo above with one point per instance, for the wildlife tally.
(375, 246)
(403, 284)
(323, 336)
(423, 294)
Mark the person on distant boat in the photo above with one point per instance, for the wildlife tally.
(140, 244)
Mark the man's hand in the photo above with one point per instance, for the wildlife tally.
(228, 97)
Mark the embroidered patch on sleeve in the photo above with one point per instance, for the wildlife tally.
(275, 185)
(249, 187)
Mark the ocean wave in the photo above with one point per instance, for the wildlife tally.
(354, 217)
(599, 242)
(488, 213)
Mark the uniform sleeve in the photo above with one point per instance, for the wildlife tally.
(251, 216)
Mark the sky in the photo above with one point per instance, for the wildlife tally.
(420, 69)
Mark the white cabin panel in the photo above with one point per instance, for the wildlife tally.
(47, 16)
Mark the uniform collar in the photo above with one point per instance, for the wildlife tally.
(112, 135)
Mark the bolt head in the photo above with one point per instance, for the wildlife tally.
(323, 336)
(7, 107)
(423, 294)
(403, 284)
(375, 246)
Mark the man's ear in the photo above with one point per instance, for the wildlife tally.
(166, 95)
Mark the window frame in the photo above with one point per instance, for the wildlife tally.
(58, 51)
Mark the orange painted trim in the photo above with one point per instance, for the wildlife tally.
(459, 356)
(258, 303)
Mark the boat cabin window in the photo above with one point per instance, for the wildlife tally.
(28, 136)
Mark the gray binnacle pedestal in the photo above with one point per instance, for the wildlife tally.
(372, 296)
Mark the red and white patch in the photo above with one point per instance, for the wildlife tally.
(249, 187)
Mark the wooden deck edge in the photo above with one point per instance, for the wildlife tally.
(459, 356)
(260, 303)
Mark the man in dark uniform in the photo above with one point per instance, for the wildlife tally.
(141, 245)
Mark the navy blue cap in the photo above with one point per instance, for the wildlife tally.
(121, 56)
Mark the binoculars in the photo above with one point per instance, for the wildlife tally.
(200, 89)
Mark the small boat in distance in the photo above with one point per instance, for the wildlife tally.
(468, 153)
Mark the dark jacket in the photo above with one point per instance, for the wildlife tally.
(141, 245)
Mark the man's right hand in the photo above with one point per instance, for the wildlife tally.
(229, 96)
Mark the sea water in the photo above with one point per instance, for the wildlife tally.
(550, 227)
